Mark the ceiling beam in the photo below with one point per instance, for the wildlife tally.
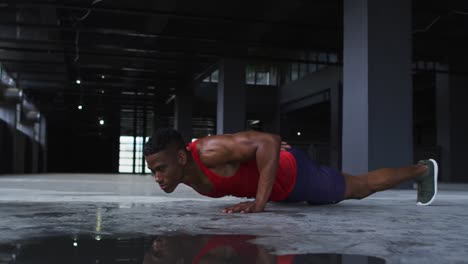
(131, 33)
(177, 15)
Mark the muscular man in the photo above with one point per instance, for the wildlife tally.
(256, 165)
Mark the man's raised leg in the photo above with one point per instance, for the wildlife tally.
(424, 173)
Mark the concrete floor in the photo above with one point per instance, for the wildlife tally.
(388, 225)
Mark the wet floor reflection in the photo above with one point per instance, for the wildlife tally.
(160, 249)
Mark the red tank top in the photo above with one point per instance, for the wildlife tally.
(242, 247)
(244, 182)
(238, 242)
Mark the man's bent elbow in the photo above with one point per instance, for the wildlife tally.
(275, 139)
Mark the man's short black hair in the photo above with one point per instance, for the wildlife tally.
(162, 139)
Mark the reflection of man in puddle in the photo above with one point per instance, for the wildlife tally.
(207, 249)
(257, 165)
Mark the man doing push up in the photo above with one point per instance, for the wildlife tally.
(258, 165)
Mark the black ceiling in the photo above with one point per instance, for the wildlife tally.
(139, 51)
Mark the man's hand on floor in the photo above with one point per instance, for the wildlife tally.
(244, 207)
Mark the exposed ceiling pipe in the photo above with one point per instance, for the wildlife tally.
(12, 95)
(30, 114)
(32, 117)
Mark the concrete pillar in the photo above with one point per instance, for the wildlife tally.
(115, 116)
(9, 152)
(452, 127)
(377, 88)
(459, 127)
(35, 156)
(19, 141)
(336, 102)
(43, 139)
(5, 151)
(271, 120)
(231, 103)
(443, 124)
(183, 113)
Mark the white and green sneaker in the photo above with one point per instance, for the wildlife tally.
(427, 183)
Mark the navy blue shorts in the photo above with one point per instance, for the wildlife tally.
(315, 184)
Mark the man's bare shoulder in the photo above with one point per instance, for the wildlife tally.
(213, 150)
(211, 143)
(225, 141)
(230, 140)
(229, 148)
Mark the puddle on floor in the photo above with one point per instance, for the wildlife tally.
(159, 249)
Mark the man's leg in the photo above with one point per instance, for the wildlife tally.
(361, 186)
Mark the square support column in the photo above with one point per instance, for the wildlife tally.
(452, 127)
(183, 113)
(231, 103)
(377, 88)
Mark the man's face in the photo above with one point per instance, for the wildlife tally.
(167, 167)
(163, 250)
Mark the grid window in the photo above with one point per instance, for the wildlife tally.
(131, 155)
(263, 78)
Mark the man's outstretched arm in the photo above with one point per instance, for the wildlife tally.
(239, 147)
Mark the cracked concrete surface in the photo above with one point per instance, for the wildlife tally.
(388, 225)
